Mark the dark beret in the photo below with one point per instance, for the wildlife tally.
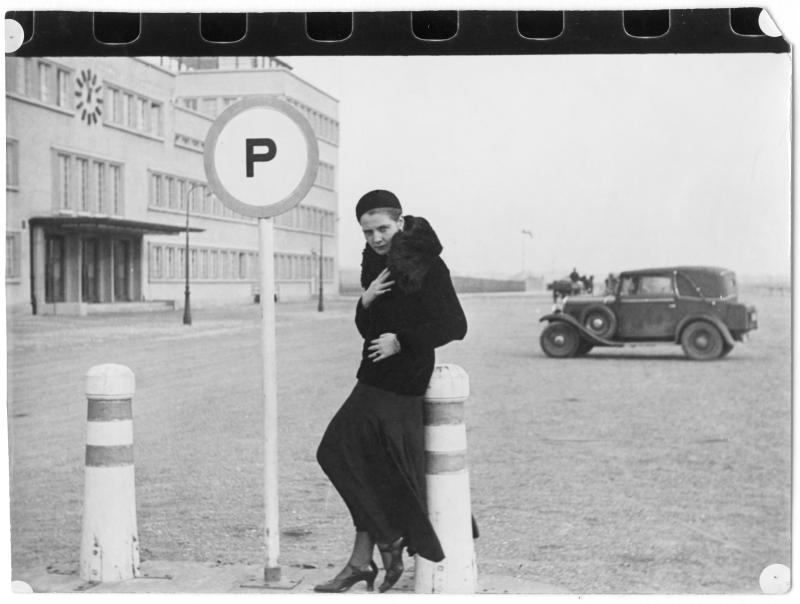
(376, 199)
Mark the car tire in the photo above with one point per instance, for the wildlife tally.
(726, 349)
(560, 340)
(600, 321)
(701, 341)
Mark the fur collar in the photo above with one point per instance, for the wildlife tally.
(412, 254)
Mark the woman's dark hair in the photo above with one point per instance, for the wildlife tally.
(393, 213)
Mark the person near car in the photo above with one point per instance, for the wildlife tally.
(373, 448)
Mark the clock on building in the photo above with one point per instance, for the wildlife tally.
(90, 96)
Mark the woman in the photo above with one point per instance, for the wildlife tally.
(373, 449)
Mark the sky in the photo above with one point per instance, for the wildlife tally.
(611, 162)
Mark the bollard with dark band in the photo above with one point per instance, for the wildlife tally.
(109, 541)
(447, 481)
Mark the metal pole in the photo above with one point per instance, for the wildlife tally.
(320, 304)
(272, 572)
(187, 311)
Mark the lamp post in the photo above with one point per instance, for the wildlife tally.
(187, 311)
(321, 303)
(530, 235)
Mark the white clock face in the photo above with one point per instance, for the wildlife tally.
(89, 92)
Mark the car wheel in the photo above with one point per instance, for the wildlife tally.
(560, 340)
(584, 347)
(726, 348)
(600, 321)
(702, 341)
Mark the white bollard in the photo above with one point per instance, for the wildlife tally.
(109, 541)
(447, 481)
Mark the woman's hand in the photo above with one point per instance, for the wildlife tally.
(383, 347)
(377, 288)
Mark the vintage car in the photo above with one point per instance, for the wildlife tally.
(694, 306)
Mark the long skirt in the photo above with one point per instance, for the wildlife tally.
(373, 451)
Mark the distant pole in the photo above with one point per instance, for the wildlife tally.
(187, 311)
(529, 234)
(321, 303)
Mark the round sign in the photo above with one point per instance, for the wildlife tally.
(261, 157)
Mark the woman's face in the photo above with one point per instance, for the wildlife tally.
(379, 228)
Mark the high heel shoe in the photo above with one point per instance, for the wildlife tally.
(349, 576)
(392, 556)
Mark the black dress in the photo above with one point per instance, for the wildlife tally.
(373, 448)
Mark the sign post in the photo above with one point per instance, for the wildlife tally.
(261, 159)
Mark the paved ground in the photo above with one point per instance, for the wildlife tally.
(630, 470)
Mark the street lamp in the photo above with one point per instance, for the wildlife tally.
(530, 235)
(320, 304)
(187, 311)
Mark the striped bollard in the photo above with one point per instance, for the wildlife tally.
(109, 542)
(447, 482)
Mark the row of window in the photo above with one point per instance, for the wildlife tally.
(87, 184)
(41, 80)
(169, 262)
(210, 106)
(302, 267)
(324, 126)
(326, 175)
(189, 142)
(193, 63)
(172, 192)
(307, 218)
(134, 111)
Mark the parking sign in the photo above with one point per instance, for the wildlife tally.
(261, 157)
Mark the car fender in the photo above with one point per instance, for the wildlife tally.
(713, 319)
(585, 333)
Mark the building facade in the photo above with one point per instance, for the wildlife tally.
(104, 162)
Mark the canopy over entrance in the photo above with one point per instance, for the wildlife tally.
(110, 225)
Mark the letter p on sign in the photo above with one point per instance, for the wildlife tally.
(261, 157)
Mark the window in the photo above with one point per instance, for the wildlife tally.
(156, 123)
(44, 82)
(87, 184)
(82, 182)
(141, 115)
(169, 190)
(158, 190)
(130, 110)
(63, 89)
(156, 262)
(170, 265)
(17, 75)
(646, 286)
(204, 264)
(13, 252)
(116, 189)
(209, 107)
(100, 186)
(12, 163)
(63, 182)
(242, 265)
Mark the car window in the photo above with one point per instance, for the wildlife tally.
(685, 288)
(646, 286)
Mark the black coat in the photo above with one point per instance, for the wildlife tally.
(422, 309)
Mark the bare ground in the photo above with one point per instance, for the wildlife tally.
(630, 470)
